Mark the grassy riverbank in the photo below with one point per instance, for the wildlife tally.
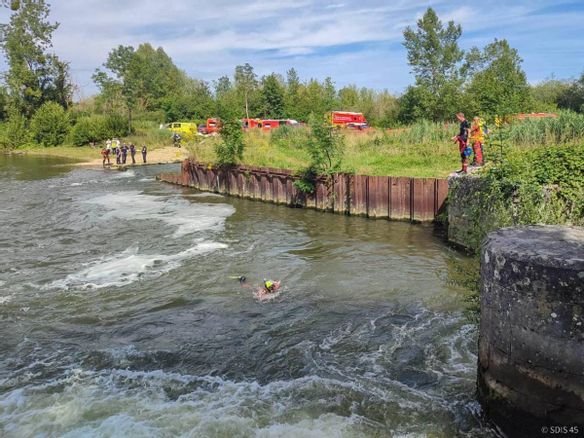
(370, 153)
(423, 149)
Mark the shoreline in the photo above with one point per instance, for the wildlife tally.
(91, 158)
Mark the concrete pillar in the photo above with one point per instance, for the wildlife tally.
(531, 344)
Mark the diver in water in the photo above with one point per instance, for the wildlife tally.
(269, 286)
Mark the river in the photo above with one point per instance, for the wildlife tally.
(121, 315)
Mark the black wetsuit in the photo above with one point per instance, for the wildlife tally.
(464, 127)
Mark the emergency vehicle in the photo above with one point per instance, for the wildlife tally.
(181, 128)
(346, 119)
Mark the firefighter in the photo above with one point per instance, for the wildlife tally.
(462, 140)
(133, 152)
(124, 153)
(477, 138)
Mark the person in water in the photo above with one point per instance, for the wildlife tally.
(269, 286)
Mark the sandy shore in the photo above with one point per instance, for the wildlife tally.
(165, 155)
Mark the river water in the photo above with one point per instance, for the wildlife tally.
(120, 315)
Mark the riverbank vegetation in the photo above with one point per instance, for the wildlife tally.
(140, 88)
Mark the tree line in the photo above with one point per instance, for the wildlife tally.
(36, 96)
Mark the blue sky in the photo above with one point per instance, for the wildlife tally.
(354, 42)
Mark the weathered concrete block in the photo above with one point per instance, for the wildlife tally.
(462, 199)
(531, 344)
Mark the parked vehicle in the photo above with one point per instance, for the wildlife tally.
(182, 128)
(347, 119)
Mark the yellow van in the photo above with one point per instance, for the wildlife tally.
(182, 128)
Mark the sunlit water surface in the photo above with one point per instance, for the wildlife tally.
(120, 315)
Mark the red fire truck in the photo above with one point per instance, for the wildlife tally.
(351, 120)
(210, 127)
(214, 124)
(267, 124)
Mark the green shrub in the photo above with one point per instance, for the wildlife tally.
(88, 129)
(50, 124)
(116, 125)
(96, 128)
(230, 149)
(14, 133)
(545, 185)
(326, 146)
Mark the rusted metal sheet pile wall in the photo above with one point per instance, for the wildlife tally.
(402, 198)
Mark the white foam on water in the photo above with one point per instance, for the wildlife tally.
(128, 267)
(261, 296)
(204, 195)
(76, 184)
(125, 174)
(137, 403)
(184, 216)
(6, 299)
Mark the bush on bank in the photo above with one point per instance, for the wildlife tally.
(50, 124)
(96, 128)
(540, 186)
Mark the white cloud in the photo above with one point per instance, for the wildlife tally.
(352, 42)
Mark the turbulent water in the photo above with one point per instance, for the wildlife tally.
(120, 315)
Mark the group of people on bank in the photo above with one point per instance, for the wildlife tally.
(470, 141)
(121, 152)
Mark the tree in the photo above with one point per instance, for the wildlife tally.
(499, 85)
(12, 4)
(273, 97)
(349, 98)
(547, 94)
(246, 84)
(222, 86)
(123, 83)
(292, 98)
(573, 97)
(34, 76)
(329, 95)
(434, 56)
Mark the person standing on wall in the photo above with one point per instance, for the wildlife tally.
(133, 152)
(477, 138)
(462, 140)
(144, 152)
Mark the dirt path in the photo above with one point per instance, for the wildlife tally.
(165, 155)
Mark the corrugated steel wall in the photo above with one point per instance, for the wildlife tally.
(401, 198)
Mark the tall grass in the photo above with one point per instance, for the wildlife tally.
(423, 149)
(567, 128)
(149, 133)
